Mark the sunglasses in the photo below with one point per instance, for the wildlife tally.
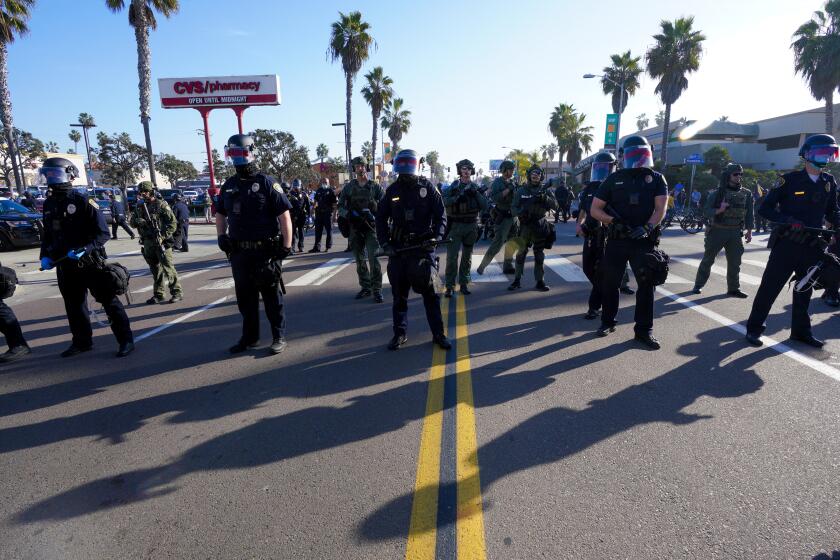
(737, 174)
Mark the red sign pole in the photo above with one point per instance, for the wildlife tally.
(205, 112)
(239, 110)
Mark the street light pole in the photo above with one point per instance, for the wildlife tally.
(346, 147)
(620, 102)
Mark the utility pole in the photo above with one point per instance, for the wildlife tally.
(85, 128)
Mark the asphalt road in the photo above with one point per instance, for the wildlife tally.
(531, 438)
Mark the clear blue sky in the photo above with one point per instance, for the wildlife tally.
(476, 75)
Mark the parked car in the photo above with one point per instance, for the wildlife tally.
(19, 226)
(103, 200)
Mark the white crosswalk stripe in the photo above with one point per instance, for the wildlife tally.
(719, 270)
(321, 274)
(759, 264)
(566, 269)
(180, 277)
(223, 284)
(493, 272)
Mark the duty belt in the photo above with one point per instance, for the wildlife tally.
(261, 244)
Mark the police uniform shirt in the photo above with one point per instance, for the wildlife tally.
(413, 208)
(631, 194)
(797, 197)
(251, 206)
(72, 222)
(586, 196)
(325, 199)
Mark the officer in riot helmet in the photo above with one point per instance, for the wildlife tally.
(410, 221)
(504, 222)
(631, 202)
(301, 209)
(254, 229)
(730, 211)
(463, 202)
(530, 204)
(357, 204)
(592, 231)
(73, 243)
(797, 206)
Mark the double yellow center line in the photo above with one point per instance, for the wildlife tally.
(427, 537)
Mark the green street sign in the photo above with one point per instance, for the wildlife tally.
(610, 136)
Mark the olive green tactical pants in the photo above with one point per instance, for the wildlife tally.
(500, 237)
(163, 270)
(461, 236)
(729, 240)
(523, 242)
(364, 247)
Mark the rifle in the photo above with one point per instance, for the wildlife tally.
(155, 229)
(431, 243)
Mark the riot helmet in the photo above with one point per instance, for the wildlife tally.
(239, 150)
(359, 160)
(465, 163)
(819, 150)
(602, 165)
(406, 162)
(507, 165)
(58, 171)
(636, 152)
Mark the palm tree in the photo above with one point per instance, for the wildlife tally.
(625, 70)
(378, 93)
(397, 121)
(322, 152)
(676, 53)
(75, 137)
(141, 16)
(642, 121)
(51, 147)
(816, 48)
(367, 151)
(13, 17)
(558, 127)
(578, 138)
(350, 42)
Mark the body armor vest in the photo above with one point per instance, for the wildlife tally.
(737, 210)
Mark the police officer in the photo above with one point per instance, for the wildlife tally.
(798, 205)
(410, 218)
(358, 203)
(301, 210)
(73, 242)
(593, 232)
(632, 203)
(10, 326)
(563, 197)
(324, 203)
(463, 203)
(118, 214)
(730, 212)
(530, 203)
(156, 225)
(504, 222)
(182, 218)
(254, 228)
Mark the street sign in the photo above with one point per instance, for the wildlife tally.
(695, 159)
(611, 134)
(221, 91)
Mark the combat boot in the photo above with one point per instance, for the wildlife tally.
(241, 346)
(648, 340)
(397, 341)
(363, 293)
(515, 285)
(508, 269)
(737, 294)
(605, 330)
(465, 290)
(377, 297)
(592, 314)
(542, 286)
(442, 341)
(448, 292)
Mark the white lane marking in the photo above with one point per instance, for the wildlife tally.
(719, 270)
(674, 279)
(128, 254)
(180, 277)
(779, 347)
(759, 264)
(493, 273)
(48, 271)
(566, 269)
(385, 281)
(321, 274)
(223, 284)
(180, 319)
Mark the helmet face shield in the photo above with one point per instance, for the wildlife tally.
(822, 155)
(638, 156)
(56, 175)
(406, 163)
(238, 155)
(600, 171)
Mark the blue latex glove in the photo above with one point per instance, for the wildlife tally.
(75, 254)
(46, 263)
